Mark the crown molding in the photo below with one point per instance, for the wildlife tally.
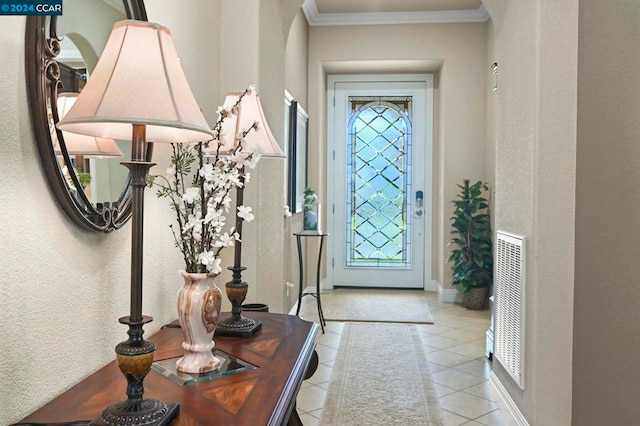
(315, 18)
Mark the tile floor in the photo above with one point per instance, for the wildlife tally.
(454, 346)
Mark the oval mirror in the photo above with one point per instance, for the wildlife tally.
(84, 173)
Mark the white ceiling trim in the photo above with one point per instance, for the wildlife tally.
(316, 18)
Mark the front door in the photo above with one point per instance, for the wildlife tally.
(379, 169)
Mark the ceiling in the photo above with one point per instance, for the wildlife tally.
(354, 6)
(365, 12)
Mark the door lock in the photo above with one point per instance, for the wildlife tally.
(419, 202)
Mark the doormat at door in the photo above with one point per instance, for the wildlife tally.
(401, 306)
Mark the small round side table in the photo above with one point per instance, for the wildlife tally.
(301, 286)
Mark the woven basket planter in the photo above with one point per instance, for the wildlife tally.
(476, 298)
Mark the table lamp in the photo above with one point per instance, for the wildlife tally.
(79, 145)
(260, 141)
(138, 92)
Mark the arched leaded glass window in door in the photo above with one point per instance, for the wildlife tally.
(378, 182)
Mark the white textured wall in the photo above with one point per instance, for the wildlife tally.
(566, 172)
(296, 59)
(457, 53)
(296, 74)
(492, 119)
(275, 21)
(606, 371)
(513, 200)
(244, 43)
(89, 35)
(552, 246)
(536, 49)
(62, 289)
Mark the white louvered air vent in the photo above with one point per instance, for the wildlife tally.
(509, 305)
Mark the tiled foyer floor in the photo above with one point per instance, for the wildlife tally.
(454, 347)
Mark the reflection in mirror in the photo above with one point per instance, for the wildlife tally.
(85, 173)
(83, 151)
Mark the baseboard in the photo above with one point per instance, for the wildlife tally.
(448, 295)
(509, 404)
(308, 289)
(324, 285)
(432, 287)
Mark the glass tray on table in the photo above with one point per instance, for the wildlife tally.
(228, 365)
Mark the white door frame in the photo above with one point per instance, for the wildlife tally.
(427, 161)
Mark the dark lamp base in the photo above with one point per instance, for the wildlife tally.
(151, 413)
(245, 327)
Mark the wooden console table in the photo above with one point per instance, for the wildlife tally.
(281, 351)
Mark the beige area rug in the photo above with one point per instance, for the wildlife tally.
(403, 306)
(381, 377)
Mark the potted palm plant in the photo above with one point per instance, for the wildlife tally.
(472, 249)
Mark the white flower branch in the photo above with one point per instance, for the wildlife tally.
(201, 198)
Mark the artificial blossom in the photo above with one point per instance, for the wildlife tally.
(198, 185)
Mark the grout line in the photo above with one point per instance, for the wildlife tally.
(459, 415)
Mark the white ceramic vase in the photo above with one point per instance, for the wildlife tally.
(199, 304)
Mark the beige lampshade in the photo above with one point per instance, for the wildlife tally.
(76, 144)
(138, 80)
(249, 111)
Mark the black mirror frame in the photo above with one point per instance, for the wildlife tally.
(42, 46)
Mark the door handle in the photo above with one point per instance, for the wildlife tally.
(419, 202)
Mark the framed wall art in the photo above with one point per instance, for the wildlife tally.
(298, 127)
